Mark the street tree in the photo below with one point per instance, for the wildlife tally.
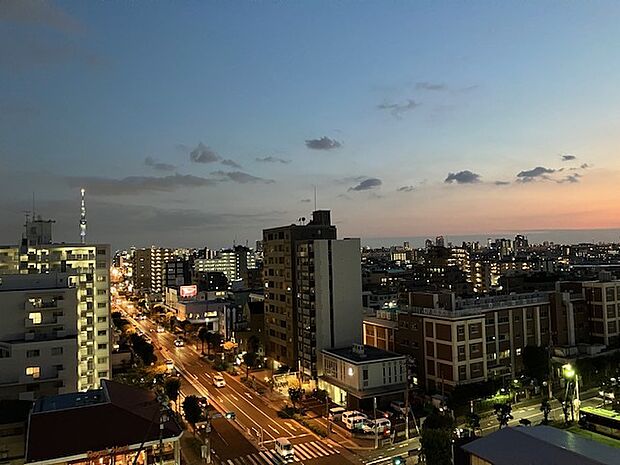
(436, 439)
(202, 335)
(536, 362)
(142, 349)
(545, 408)
(250, 359)
(192, 410)
(503, 413)
(172, 386)
(213, 340)
(295, 394)
(473, 421)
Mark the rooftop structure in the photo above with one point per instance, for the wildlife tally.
(539, 445)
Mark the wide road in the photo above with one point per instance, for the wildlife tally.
(254, 415)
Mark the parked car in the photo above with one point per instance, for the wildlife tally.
(380, 425)
(219, 381)
(355, 422)
(160, 329)
(398, 406)
(335, 413)
(179, 342)
(169, 365)
(352, 413)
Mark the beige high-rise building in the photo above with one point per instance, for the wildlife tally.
(281, 288)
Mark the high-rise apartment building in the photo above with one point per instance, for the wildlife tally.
(234, 263)
(38, 335)
(329, 299)
(149, 269)
(603, 302)
(281, 288)
(90, 264)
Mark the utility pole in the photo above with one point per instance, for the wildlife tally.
(407, 410)
(329, 424)
(374, 405)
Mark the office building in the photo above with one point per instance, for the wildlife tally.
(90, 265)
(281, 288)
(178, 272)
(603, 302)
(38, 335)
(234, 263)
(329, 299)
(459, 341)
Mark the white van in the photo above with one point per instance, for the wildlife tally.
(355, 422)
(335, 413)
(284, 449)
(379, 425)
(351, 413)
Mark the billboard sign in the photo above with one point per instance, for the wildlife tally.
(188, 291)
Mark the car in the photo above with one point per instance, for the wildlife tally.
(380, 425)
(169, 365)
(285, 450)
(335, 413)
(179, 342)
(142, 317)
(219, 381)
(352, 413)
(203, 402)
(160, 329)
(355, 422)
(399, 406)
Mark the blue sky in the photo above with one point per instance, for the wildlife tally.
(395, 94)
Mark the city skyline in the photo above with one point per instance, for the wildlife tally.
(216, 121)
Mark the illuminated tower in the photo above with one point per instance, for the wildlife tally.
(83, 217)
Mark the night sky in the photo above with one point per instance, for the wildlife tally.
(201, 123)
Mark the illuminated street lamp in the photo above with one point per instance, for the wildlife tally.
(568, 371)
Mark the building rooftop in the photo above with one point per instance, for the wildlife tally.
(116, 415)
(541, 445)
(370, 354)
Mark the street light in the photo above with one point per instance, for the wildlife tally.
(568, 371)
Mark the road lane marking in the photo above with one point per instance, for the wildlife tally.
(277, 432)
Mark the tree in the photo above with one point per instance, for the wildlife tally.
(545, 408)
(295, 394)
(250, 359)
(172, 321)
(142, 349)
(192, 410)
(536, 362)
(253, 343)
(503, 412)
(473, 421)
(202, 335)
(172, 387)
(213, 340)
(436, 446)
(436, 439)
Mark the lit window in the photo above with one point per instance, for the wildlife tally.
(350, 371)
(35, 372)
(518, 351)
(35, 317)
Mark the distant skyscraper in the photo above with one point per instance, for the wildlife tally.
(83, 217)
(440, 241)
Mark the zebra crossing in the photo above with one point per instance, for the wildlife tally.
(303, 451)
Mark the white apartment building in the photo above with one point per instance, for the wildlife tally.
(329, 299)
(232, 262)
(38, 335)
(90, 264)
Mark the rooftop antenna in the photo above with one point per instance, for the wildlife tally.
(34, 217)
(83, 216)
(315, 198)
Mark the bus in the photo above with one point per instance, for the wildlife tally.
(601, 420)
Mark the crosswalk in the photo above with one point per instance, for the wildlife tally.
(303, 451)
